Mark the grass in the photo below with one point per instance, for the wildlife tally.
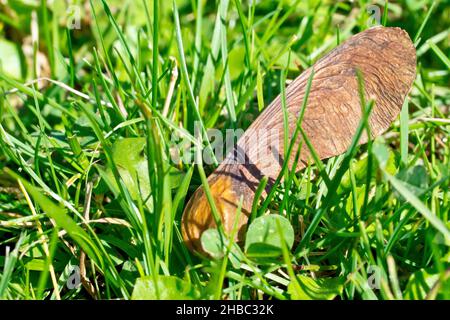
(91, 203)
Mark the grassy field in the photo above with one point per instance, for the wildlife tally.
(91, 203)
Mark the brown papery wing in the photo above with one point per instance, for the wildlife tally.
(387, 60)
